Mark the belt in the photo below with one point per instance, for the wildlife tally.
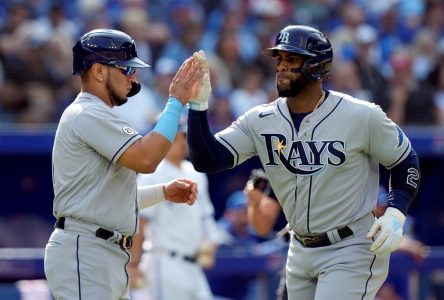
(125, 242)
(191, 259)
(323, 239)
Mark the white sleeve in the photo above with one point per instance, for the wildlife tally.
(150, 195)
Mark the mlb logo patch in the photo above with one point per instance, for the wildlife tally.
(128, 130)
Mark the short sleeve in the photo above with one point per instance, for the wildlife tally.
(387, 142)
(238, 140)
(105, 132)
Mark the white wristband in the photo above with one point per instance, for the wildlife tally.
(199, 106)
(150, 195)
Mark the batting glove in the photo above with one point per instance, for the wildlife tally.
(388, 231)
(200, 101)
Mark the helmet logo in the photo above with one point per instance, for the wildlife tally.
(284, 37)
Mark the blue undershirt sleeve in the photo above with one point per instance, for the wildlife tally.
(206, 153)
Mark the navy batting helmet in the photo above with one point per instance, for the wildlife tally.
(306, 41)
(105, 46)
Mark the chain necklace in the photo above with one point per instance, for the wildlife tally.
(320, 101)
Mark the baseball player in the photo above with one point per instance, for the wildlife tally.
(95, 159)
(178, 240)
(320, 150)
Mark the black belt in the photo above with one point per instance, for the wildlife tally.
(191, 259)
(125, 242)
(322, 240)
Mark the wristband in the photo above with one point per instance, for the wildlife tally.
(169, 119)
(199, 106)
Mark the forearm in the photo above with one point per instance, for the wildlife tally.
(136, 249)
(404, 182)
(206, 153)
(262, 212)
(261, 223)
(150, 195)
(145, 154)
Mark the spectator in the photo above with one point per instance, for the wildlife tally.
(234, 222)
(436, 79)
(367, 60)
(239, 239)
(342, 37)
(346, 79)
(249, 93)
(411, 102)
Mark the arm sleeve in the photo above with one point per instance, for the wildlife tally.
(206, 153)
(404, 182)
(150, 195)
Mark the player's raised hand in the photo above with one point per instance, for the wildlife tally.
(181, 191)
(388, 231)
(202, 89)
(186, 77)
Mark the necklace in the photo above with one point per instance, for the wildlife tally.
(320, 100)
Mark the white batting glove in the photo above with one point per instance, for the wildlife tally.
(200, 101)
(388, 231)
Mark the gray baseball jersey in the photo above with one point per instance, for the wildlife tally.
(88, 184)
(325, 175)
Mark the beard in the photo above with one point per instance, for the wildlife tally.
(296, 86)
(116, 100)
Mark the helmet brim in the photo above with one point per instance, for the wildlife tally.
(273, 51)
(133, 62)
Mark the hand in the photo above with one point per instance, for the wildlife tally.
(253, 195)
(205, 254)
(202, 89)
(416, 249)
(181, 191)
(388, 231)
(186, 77)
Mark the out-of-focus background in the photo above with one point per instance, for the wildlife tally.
(390, 52)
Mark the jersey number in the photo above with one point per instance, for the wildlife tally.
(413, 177)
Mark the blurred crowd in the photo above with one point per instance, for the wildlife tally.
(390, 52)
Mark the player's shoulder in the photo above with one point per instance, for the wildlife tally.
(85, 104)
(264, 111)
(350, 100)
(350, 103)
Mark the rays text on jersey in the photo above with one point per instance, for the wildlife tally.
(303, 157)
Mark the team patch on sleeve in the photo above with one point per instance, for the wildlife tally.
(400, 138)
(128, 130)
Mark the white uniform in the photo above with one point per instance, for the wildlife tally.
(325, 176)
(173, 234)
(91, 191)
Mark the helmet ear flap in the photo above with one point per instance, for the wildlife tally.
(315, 70)
(135, 88)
